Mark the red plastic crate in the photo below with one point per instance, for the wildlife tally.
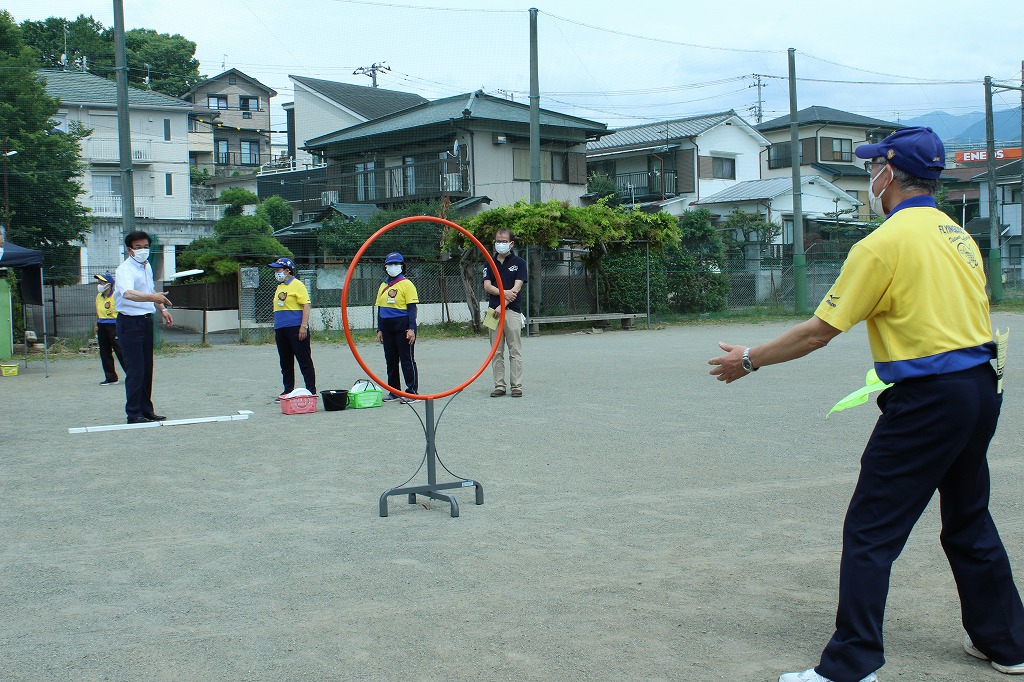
(300, 404)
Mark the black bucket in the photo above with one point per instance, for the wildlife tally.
(335, 400)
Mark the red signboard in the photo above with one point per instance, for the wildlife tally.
(979, 155)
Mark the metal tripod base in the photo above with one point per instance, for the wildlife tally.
(432, 488)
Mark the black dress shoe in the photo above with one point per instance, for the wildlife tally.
(155, 417)
(140, 420)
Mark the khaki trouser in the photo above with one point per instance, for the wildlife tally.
(512, 338)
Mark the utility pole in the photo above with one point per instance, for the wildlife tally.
(799, 258)
(758, 110)
(372, 71)
(124, 130)
(995, 263)
(535, 195)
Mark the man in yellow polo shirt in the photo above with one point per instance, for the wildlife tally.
(918, 283)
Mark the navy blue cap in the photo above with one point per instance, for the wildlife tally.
(917, 151)
(283, 263)
(393, 257)
(105, 278)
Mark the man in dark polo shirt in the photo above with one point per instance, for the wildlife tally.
(512, 269)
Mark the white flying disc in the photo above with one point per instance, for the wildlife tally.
(185, 273)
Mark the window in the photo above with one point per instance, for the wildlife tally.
(232, 80)
(250, 152)
(217, 101)
(246, 103)
(779, 155)
(723, 168)
(842, 150)
(366, 181)
(60, 122)
(554, 166)
(223, 156)
(106, 185)
(167, 130)
(787, 230)
(168, 184)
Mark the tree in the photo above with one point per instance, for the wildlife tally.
(342, 238)
(239, 240)
(42, 178)
(696, 281)
(276, 210)
(743, 228)
(173, 68)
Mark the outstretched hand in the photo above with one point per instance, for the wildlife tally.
(728, 367)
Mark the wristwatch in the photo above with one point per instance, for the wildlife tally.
(747, 364)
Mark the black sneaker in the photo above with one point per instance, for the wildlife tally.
(108, 382)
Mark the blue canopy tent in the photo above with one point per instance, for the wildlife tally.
(29, 264)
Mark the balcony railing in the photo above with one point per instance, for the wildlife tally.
(644, 185)
(426, 180)
(236, 158)
(110, 205)
(106, 150)
(208, 211)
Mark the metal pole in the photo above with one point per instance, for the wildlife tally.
(7, 202)
(1020, 216)
(535, 195)
(648, 245)
(799, 259)
(124, 131)
(995, 269)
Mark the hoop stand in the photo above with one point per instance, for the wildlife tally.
(432, 488)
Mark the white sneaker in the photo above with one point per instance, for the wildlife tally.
(969, 647)
(811, 676)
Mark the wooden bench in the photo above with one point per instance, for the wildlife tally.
(603, 320)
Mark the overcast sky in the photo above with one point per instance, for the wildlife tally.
(619, 63)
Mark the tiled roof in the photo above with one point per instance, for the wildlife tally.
(817, 114)
(77, 87)
(842, 170)
(660, 132)
(1010, 170)
(476, 106)
(368, 102)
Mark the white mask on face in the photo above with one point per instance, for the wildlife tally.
(101, 287)
(875, 201)
(502, 247)
(393, 270)
(140, 255)
(281, 275)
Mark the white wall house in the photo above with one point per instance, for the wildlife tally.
(159, 140)
(827, 140)
(669, 165)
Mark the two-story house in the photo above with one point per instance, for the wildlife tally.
(321, 107)
(670, 164)
(159, 141)
(472, 148)
(827, 139)
(230, 127)
(1009, 211)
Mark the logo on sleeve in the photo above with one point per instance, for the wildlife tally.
(832, 298)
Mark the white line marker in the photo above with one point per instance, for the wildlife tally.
(242, 414)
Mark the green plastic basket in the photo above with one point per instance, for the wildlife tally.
(365, 394)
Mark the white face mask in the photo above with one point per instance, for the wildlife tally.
(140, 255)
(281, 276)
(502, 247)
(875, 201)
(393, 270)
(101, 288)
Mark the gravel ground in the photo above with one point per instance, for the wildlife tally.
(641, 521)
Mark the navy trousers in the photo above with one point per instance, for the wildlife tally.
(933, 435)
(135, 334)
(106, 336)
(291, 350)
(399, 352)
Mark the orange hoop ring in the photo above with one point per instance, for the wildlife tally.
(344, 306)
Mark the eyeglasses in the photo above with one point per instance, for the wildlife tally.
(502, 241)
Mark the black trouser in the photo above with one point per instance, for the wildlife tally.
(290, 349)
(933, 435)
(135, 334)
(398, 351)
(106, 336)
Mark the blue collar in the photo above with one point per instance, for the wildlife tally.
(392, 280)
(920, 201)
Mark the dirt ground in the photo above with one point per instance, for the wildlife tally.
(641, 521)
